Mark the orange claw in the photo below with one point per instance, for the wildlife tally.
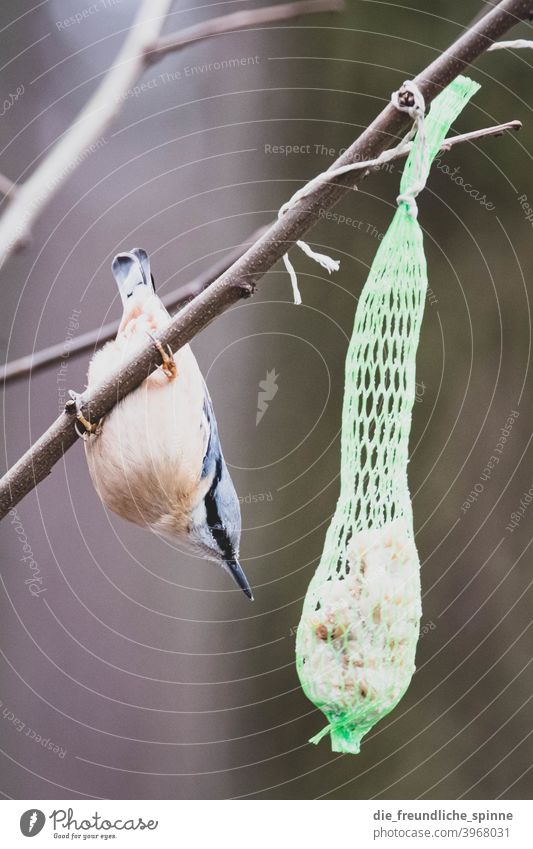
(168, 363)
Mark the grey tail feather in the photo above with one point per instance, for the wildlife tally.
(132, 269)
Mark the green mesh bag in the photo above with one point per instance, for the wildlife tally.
(356, 641)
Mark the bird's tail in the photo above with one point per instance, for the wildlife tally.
(132, 269)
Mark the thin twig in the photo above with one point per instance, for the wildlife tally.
(80, 139)
(39, 360)
(474, 135)
(237, 21)
(239, 281)
(77, 142)
(7, 187)
(89, 341)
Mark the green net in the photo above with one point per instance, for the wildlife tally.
(356, 641)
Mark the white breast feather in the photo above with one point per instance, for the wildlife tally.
(146, 462)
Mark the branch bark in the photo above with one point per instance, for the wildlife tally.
(237, 21)
(239, 280)
(39, 360)
(89, 341)
(142, 46)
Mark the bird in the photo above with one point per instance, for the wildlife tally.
(155, 459)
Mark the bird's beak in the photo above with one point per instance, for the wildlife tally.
(236, 572)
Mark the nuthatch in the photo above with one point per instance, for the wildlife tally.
(156, 459)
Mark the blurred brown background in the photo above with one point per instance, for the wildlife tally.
(153, 677)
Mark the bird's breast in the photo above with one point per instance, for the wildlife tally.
(146, 462)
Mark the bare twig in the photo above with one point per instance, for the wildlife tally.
(239, 281)
(94, 338)
(486, 8)
(7, 187)
(141, 47)
(39, 360)
(475, 135)
(76, 142)
(237, 21)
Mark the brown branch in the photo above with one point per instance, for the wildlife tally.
(239, 280)
(39, 360)
(476, 135)
(89, 341)
(487, 6)
(237, 21)
(141, 47)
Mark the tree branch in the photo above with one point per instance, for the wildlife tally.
(7, 187)
(239, 280)
(76, 142)
(89, 341)
(39, 360)
(476, 135)
(487, 6)
(237, 21)
(141, 47)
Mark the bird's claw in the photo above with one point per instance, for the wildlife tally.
(168, 363)
(89, 428)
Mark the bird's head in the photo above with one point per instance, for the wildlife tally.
(215, 526)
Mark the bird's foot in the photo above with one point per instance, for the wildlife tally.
(89, 428)
(168, 363)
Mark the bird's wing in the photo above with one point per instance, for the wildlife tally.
(221, 501)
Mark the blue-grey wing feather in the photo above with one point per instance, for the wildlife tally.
(221, 501)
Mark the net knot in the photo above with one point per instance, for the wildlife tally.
(410, 99)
